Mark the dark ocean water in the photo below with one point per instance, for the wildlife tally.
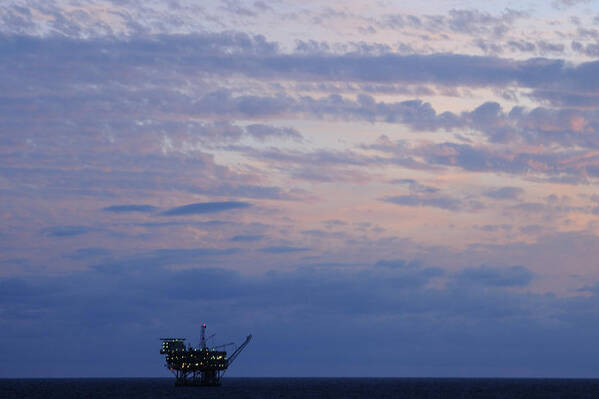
(233, 388)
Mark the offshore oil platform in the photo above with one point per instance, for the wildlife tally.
(202, 366)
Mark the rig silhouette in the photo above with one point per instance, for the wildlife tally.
(202, 366)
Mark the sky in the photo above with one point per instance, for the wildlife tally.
(382, 188)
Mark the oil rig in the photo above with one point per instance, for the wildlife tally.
(202, 366)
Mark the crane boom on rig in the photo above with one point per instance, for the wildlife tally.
(238, 350)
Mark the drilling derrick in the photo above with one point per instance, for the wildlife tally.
(202, 366)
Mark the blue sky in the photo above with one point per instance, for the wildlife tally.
(371, 189)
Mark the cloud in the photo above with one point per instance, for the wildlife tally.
(237, 8)
(532, 229)
(335, 223)
(324, 234)
(179, 256)
(561, 4)
(248, 191)
(398, 263)
(282, 249)
(206, 207)
(229, 53)
(440, 202)
(130, 208)
(494, 227)
(545, 47)
(89, 253)
(539, 125)
(521, 45)
(484, 158)
(471, 312)
(554, 81)
(472, 22)
(160, 258)
(67, 231)
(247, 238)
(530, 207)
(590, 50)
(495, 276)
(222, 102)
(416, 187)
(340, 165)
(262, 132)
(505, 193)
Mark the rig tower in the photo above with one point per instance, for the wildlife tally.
(202, 366)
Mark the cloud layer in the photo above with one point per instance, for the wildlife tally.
(418, 181)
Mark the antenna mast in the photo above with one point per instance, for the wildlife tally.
(203, 339)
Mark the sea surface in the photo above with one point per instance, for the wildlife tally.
(281, 388)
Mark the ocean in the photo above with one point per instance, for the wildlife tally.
(282, 388)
